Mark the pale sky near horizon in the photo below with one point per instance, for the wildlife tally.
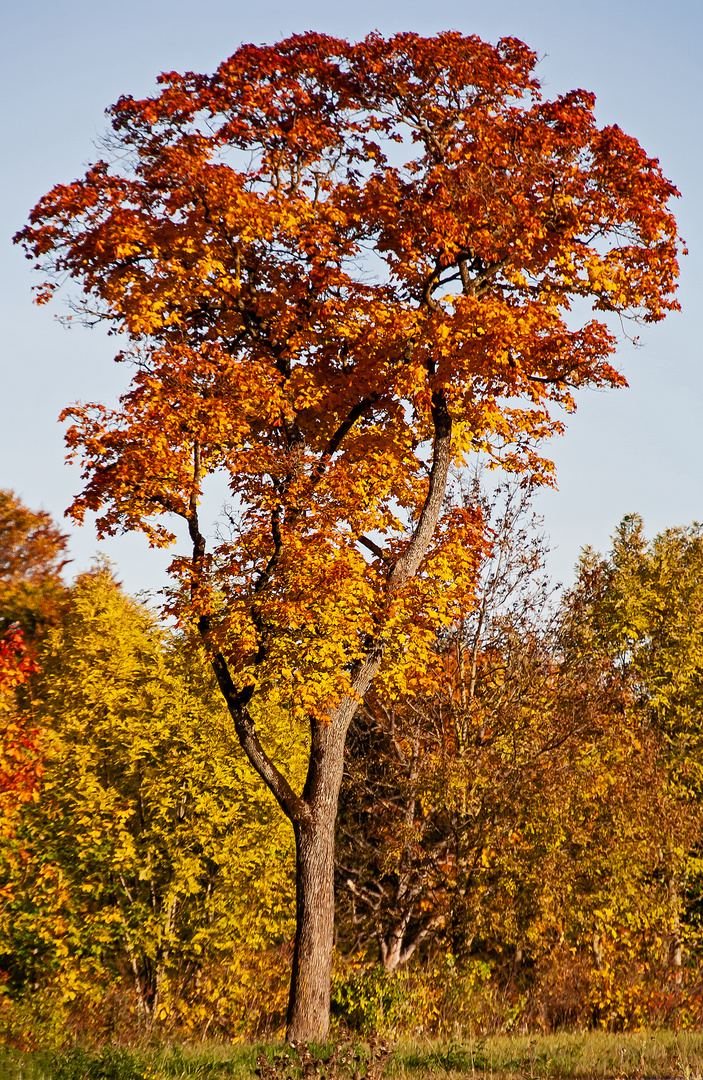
(630, 450)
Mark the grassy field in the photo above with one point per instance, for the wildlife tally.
(589, 1055)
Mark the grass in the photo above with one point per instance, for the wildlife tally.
(596, 1055)
(592, 1055)
(213, 1062)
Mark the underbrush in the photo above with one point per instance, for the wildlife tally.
(565, 992)
(438, 999)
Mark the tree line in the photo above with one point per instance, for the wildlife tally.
(519, 848)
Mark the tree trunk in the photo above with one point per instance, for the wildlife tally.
(392, 950)
(309, 1003)
(676, 942)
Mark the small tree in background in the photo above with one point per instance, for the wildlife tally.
(642, 606)
(33, 552)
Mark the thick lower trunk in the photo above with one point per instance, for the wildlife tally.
(309, 1004)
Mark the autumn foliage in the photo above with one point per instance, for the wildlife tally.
(32, 556)
(340, 271)
(20, 760)
(149, 879)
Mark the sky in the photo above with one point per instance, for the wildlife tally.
(61, 65)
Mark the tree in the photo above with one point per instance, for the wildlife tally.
(523, 814)
(642, 605)
(32, 556)
(646, 608)
(338, 269)
(428, 778)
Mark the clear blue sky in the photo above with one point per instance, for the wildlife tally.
(63, 64)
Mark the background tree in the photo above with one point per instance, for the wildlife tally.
(154, 872)
(424, 790)
(643, 606)
(339, 268)
(523, 815)
(32, 556)
(33, 552)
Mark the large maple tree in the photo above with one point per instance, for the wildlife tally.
(339, 269)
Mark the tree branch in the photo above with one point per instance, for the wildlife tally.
(292, 805)
(409, 561)
(295, 808)
(335, 442)
(406, 566)
(372, 546)
(407, 950)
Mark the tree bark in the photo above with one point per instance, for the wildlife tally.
(309, 1001)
